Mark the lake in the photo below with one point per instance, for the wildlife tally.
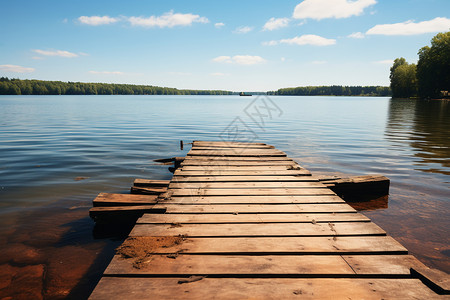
(58, 152)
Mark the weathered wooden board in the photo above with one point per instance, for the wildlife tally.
(250, 218)
(240, 185)
(264, 229)
(229, 144)
(240, 168)
(237, 178)
(150, 183)
(242, 158)
(106, 199)
(200, 162)
(242, 153)
(242, 173)
(381, 264)
(204, 200)
(275, 265)
(257, 208)
(261, 288)
(147, 190)
(252, 191)
(284, 245)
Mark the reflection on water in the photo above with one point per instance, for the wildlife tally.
(48, 142)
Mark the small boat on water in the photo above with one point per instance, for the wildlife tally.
(244, 94)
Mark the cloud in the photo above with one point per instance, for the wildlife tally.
(356, 35)
(16, 69)
(219, 25)
(106, 72)
(60, 53)
(270, 43)
(240, 59)
(97, 20)
(219, 74)
(323, 9)
(384, 62)
(319, 62)
(273, 23)
(309, 39)
(283, 59)
(168, 19)
(243, 29)
(411, 28)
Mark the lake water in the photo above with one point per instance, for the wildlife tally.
(58, 152)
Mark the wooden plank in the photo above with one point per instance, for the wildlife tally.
(250, 218)
(238, 185)
(240, 168)
(274, 265)
(150, 182)
(200, 200)
(147, 190)
(252, 191)
(228, 144)
(251, 230)
(202, 162)
(241, 158)
(279, 245)
(242, 153)
(261, 288)
(302, 172)
(381, 264)
(107, 199)
(257, 208)
(209, 147)
(124, 211)
(237, 178)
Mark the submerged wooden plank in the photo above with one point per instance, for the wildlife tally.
(261, 288)
(252, 191)
(107, 199)
(264, 229)
(275, 265)
(280, 245)
(250, 218)
(257, 208)
(237, 178)
(240, 185)
(204, 200)
(242, 173)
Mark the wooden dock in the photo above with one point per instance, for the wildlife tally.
(244, 221)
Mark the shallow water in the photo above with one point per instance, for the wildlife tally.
(49, 143)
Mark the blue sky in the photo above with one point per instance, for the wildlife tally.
(232, 45)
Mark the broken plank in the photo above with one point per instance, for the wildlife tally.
(235, 185)
(258, 208)
(261, 288)
(147, 190)
(200, 200)
(250, 218)
(107, 199)
(264, 229)
(251, 191)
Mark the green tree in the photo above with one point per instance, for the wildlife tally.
(433, 67)
(403, 79)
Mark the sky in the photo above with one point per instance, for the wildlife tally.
(229, 45)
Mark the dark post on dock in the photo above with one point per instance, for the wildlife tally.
(244, 221)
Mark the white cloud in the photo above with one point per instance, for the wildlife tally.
(322, 9)
(219, 74)
(384, 62)
(273, 23)
(106, 72)
(356, 35)
(319, 62)
(309, 39)
(16, 69)
(219, 25)
(60, 53)
(97, 20)
(411, 28)
(168, 19)
(240, 59)
(243, 29)
(270, 43)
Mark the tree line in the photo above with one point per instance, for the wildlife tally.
(430, 78)
(334, 90)
(41, 87)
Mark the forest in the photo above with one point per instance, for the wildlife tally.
(334, 90)
(41, 87)
(430, 78)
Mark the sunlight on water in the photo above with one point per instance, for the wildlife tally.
(48, 143)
